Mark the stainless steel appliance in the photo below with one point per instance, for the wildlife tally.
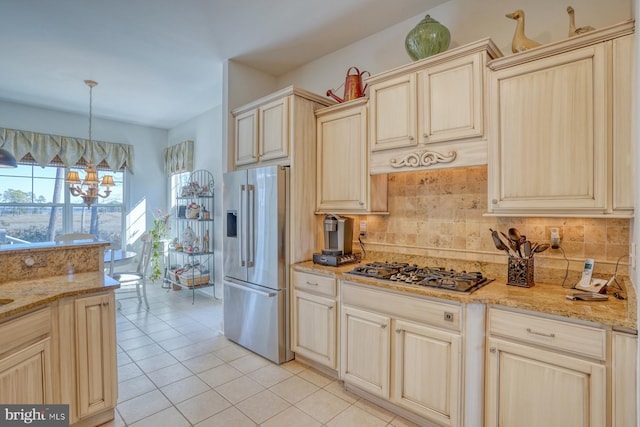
(256, 296)
(434, 277)
(338, 233)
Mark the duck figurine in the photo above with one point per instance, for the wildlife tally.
(573, 31)
(520, 42)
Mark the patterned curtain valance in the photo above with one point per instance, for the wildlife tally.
(42, 149)
(178, 158)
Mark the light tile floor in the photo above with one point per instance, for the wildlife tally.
(177, 369)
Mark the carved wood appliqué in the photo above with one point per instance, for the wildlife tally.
(422, 159)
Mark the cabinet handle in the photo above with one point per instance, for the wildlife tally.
(361, 203)
(383, 326)
(311, 284)
(492, 350)
(542, 334)
(426, 136)
(398, 331)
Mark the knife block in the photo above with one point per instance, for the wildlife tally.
(520, 272)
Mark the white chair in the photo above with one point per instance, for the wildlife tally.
(74, 236)
(137, 278)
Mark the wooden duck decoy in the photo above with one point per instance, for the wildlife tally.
(520, 42)
(573, 31)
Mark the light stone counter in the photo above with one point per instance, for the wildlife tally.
(546, 298)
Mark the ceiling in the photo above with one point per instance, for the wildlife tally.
(159, 62)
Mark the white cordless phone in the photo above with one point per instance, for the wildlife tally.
(587, 283)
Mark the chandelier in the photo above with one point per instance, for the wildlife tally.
(88, 189)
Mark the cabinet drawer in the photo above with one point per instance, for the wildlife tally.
(24, 329)
(323, 285)
(577, 339)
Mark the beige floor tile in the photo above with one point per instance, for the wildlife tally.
(337, 387)
(193, 350)
(123, 358)
(262, 406)
(145, 352)
(291, 417)
(231, 352)
(402, 422)
(270, 375)
(142, 406)
(136, 342)
(294, 389)
(169, 375)
(294, 366)
(375, 410)
(315, 377)
(184, 389)
(354, 416)
(203, 406)
(219, 375)
(239, 389)
(128, 371)
(322, 405)
(134, 387)
(116, 422)
(202, 363)
(129, 333)
(161, 360)
(164, 335)
(176, 342)
(249, 363)
(169, 417)
(228, 418)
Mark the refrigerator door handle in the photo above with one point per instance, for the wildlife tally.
(252, 290)
(242, 228)
(251, 220)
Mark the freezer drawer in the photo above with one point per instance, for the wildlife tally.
(256, 318)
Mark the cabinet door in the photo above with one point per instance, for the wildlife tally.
(95, 353)
(314, 328)
(624, 383)
(548, 150)
(365, 350)
(393, 113)
(623, 161)
(246, 138)
(343, 177)
(426, 376)
(274, 129)
(531, 387)
(450, 100)
(25, 376)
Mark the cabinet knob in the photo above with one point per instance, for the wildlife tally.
(426, 136)
(493, 350)
(411, 138)
(398, 331)
(494, 201)
(383, 326)
(361, 203)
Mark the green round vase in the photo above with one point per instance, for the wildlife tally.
(427, 38)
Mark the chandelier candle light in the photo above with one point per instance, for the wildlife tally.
(88, 188)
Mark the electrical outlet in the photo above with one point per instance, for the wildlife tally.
(555, 237)
(363, 228)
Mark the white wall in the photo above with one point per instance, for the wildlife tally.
(148, 144)
(206, 132)
(468, 21)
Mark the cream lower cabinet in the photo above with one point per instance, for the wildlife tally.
(314, 318)
(624, 387)
(560, 121)
(88, 355)
(543, 372)
(26, 374)
(344, 184)
(404, 349)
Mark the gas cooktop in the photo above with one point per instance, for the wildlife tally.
(434, 277)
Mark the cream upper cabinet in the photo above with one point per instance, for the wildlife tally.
(344, 184)
(552, 126)
(26, 374)
(314, 318)
(266, 128)
(430, 113)
(544, 372)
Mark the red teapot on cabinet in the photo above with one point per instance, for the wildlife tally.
(353, 88)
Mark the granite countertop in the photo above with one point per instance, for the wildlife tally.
(31, 293)
(543, 297)
(48, 246)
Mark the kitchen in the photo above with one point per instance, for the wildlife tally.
(408, 226)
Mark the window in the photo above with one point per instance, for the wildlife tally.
(178, 180)
(35, 206)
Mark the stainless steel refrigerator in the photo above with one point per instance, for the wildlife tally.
(256, 294)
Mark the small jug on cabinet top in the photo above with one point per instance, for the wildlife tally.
(353, 88)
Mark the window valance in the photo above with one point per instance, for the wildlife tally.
(43, 149)
(178, 158)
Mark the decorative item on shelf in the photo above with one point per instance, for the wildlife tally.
(521, 252)
(193, 211)
(427, 38)
(520, 42)
(158, 232)
(88, 189)
(573, 31)
(353, 88)
(205, 213)
(205, 243)
(188, 237)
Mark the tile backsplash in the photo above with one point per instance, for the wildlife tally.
(440, 213)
